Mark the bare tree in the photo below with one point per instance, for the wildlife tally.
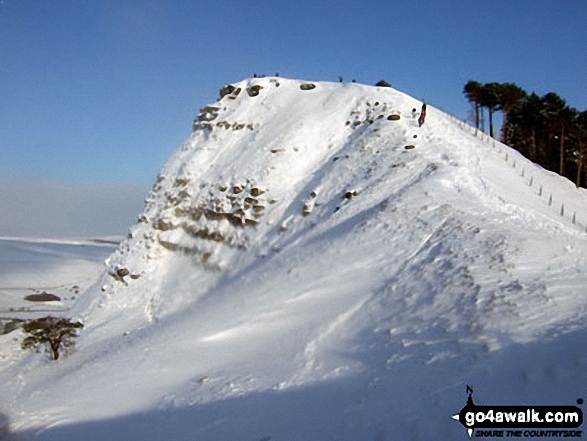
(52, 332)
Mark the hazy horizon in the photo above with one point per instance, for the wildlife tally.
(50, 209)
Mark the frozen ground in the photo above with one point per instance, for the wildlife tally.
(298, 274)
(61, 267)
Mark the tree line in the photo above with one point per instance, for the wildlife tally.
(544, 129)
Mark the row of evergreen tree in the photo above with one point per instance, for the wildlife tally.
(544, 129)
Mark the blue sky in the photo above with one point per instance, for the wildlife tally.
(104, 90)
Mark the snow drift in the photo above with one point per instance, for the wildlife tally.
(311, 264)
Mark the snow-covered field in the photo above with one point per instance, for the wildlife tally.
(298, 274)
(64, 268)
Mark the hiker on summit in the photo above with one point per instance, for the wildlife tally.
(422, 115)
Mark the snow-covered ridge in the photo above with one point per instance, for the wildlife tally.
(310, 247)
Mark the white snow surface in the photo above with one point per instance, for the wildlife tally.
(299, 276)
(33, 266)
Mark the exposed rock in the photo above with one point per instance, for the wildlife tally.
(207, 234)
(119, 275)
(307, 86)
(43, 297)
(230, 91)
(383, 83)
(164, 225)
(203, 126)
(208, 114)
(254, 90)
(122, 272)
(256, 192)
(12, 325)
(168, 245)
(394, 117)
(227, 90)
(234, 94)
(309, 204)
(196, 222)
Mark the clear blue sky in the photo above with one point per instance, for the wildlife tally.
(104, 90)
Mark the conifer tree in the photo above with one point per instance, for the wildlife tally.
(472, 91)
(490, 98)
(544, 128)
(510, 95)
(581, 128)
(553, 112)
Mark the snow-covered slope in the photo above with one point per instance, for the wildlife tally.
(300, 272)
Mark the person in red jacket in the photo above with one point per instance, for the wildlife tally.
(422, 115)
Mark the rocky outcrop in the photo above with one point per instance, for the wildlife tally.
(198, 220)
(43, 297)
(253, 91)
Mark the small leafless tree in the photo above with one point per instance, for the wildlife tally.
(52, 332)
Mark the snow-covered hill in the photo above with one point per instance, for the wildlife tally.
(311, 265)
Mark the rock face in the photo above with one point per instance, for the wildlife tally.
(231, 184)
(189, 220)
